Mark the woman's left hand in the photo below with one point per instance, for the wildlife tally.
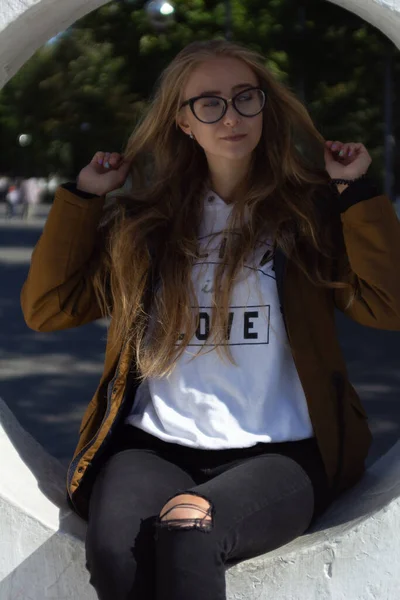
(346, 161)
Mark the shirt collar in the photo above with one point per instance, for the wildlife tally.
(212, 199)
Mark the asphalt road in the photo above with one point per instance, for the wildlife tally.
(47, 379)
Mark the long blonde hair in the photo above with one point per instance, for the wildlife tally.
(163, 211)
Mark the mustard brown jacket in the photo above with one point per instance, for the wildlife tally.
(58, 294)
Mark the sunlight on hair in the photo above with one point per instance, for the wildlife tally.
(163, 209)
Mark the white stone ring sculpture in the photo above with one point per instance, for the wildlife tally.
(352, 552)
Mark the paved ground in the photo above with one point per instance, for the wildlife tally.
(48, 378)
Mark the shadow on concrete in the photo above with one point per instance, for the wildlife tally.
(373, 361)
(47, 379)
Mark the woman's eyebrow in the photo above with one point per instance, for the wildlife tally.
(239, 85)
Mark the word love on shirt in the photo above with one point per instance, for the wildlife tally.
(245, 325)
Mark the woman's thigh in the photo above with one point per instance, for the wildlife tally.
(127, 496)
(259, 505)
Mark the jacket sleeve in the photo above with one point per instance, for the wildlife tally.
(371, 257)
(58, 293)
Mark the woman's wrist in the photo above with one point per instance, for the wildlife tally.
(341, 187)
(361, 189)
(82, 189)
(72, 187)
(343, 184)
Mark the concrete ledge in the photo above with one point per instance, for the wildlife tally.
(41, 551)
(352, 552)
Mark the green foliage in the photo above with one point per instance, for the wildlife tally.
(86, 91)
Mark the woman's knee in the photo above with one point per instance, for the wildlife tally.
(120, 558)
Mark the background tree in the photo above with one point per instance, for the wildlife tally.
(86, 90)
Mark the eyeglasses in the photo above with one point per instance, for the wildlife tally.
(210, 109)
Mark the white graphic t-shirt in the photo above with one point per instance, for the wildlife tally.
(209, 402)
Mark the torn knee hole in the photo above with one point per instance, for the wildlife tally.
(189, 516)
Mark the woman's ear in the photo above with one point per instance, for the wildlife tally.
(184, 125)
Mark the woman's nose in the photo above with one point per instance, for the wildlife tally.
(231, 116)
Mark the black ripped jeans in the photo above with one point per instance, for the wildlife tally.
(259, 499)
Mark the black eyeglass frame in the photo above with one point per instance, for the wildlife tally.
(226, 102)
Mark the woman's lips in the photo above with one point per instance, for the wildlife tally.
(235, 138)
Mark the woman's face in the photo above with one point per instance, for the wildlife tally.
(223, 77)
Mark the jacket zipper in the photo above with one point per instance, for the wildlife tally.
(280, 265)
(110, 389)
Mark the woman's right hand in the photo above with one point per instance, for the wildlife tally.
(98, 179)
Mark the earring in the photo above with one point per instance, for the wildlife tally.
(191, 136)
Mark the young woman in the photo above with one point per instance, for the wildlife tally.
(224, 421)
